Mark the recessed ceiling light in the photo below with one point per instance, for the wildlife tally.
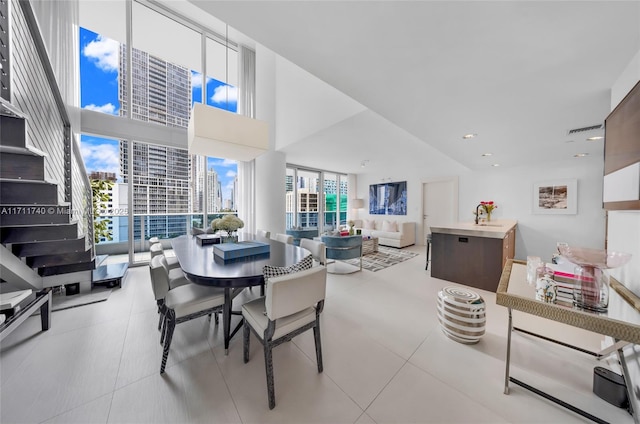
(580, 155)
(495, 165)
(596, 138)
(487, 154)
(468, 136)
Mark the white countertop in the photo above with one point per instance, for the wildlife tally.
(492, 229)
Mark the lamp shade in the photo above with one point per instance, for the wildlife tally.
(216, 132)
(357, 203)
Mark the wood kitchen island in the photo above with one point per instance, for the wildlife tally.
(472, 254)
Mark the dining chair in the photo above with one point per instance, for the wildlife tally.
(285, 238)
(317, 249)
(157, 250)
(291, 306)
(264, 233)
(180, 304)
(174, 278)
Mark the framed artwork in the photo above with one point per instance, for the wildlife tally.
(388, 198)
(556, 197)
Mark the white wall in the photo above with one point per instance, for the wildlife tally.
(511, 189)
(624, 227)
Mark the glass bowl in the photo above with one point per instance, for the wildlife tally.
(598, 258)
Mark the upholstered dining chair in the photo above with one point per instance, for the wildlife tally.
(180, 304)
(264, 233)
(317, 248)
(341, 248)
(157, 250)
(291, 306)
(285, 238)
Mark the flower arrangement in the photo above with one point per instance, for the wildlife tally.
(488, 207)
(228, 223)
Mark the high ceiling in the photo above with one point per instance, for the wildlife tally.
(421, 74)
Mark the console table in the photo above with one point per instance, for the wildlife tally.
(621, 322)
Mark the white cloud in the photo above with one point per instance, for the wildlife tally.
(196, 80)
(220, 94)
(108, 108)
(104, 52)
(231, 174)
(223, 162)
(101, 157)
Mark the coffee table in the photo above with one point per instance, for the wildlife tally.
(369, 245)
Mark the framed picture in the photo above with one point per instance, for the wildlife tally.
(556, 197)
(388, 198)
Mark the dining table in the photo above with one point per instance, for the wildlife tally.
(201, 266)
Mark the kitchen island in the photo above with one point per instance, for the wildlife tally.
(472, 254)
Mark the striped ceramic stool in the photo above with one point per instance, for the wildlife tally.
(461, 314)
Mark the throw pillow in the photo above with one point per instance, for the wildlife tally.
(274, 271)
(389, 226)
(369, 224)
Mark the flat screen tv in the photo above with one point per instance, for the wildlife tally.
(388, 198)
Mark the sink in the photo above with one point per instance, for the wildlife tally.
(487, 225)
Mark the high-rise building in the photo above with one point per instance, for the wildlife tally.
(214, 203)
(160, 175)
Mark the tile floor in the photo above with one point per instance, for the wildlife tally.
(385, 361)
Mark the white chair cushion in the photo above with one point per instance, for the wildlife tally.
(192, 298)
(172, 262)
(177, 278)
(254, 313)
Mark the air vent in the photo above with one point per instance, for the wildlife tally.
(585, 129)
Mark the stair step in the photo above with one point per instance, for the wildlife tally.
(13, 131)
(66, 269)
(25, 166)
(38, 248)
(34, 233)
(11, 215)
(28, 192)
(60, 259)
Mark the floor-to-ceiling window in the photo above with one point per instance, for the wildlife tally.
(169, 190)
(315, 199)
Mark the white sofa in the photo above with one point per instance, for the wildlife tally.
(404, 234)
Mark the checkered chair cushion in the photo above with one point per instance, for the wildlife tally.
(274, 271)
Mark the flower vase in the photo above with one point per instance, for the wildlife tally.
(488, 216)
(350, 231)
(230, 238)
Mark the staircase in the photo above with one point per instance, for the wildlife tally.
(38, 235)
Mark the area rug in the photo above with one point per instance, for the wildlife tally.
(383, 258)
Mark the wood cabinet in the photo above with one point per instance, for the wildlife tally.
(475, 261)
(621, 188)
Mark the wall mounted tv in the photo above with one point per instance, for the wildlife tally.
(388, 198)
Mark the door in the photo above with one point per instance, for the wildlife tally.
(439, 204)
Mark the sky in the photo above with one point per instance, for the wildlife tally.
(99, 58)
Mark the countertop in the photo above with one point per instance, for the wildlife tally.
(494, 229)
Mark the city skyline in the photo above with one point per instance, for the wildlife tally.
(99, 63)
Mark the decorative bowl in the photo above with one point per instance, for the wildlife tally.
(598, 258)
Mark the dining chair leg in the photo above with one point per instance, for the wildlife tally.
(316, 335)
(268, 365)
(170, 326)
(245, 341)
(163, 332)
